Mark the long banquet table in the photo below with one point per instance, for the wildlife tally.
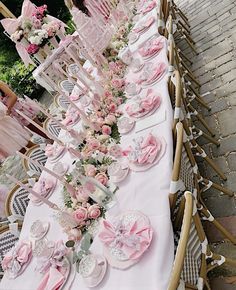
(144, 191)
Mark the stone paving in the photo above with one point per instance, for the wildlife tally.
(213, 28)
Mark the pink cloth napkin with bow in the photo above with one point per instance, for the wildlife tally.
(151, 47)
(146, 104)
(14, 261)
(133, 240)
(42, 187)
(149, 7)
(145, 151)
(53, 150)
(54, 268)
(145, 25)
(71, 117)
(150, 75)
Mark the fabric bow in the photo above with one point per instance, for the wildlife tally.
(145, 105)
(54, 269)
(11, 25)
(133, 240)
(150, 75)
(14, 261)
(151, 47)
(149, 7)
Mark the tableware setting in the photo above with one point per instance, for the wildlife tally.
(133, 37)
(125, 125)
(136, 65)
(39, 229)
(143, 25)
(151, 48)
(45, 187)
(93, 269)
(72, 117)
(125, 238)
(132, 89)
(118, 171)
(152, 73)
(54, 152)
(146, 152)
(139, 106)
(15, 262)
(60, 168)
(148, 7)
(55, 268)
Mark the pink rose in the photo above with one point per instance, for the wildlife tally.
(102, 178)
(106, 130)
(118, 83)
(108, 94)
(90, 170)
(93, 144)
(82, 195)
(94, 211)
(115, 151)
(112, 107)
(110, 119)
(80, 214)
(103, 149)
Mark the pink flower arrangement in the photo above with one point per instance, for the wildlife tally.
(118, 83)
(40, 12)
(94, 211)
(106, 130)
(90, 170)
(33, 48)
(102, 178)
(80, 214)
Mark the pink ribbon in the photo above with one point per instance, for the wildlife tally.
(133, 240)
(15, 260)
(149, 7)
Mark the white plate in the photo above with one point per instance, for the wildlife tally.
(116, 179)
(39, 202)
(144, 167)
(156, 80)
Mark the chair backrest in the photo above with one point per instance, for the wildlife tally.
(66, 86)
(52, 127)
(61, 102)
(182, 241)
(7, 242)
(38, 154)
(17, 201)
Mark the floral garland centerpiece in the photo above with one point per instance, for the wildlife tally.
(37, 29)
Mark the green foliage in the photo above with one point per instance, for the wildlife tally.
(12, 70)
(20, 79)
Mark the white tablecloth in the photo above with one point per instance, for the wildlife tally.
(144, 191)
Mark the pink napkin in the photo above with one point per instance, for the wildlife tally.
(133, 240)
(71, 117)
(52, 280)
(154, 74)
(53, 150)
(17, 258)
(54, 268)
(146, 104)
(74, 97)
(145, 25)
(42, 187)
(149, 7)
(145, 151)
(151, 47)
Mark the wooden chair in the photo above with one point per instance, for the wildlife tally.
(17, 201)
(52, 127)
(184, 115)
(66, 86)
(193, 258)
(38, 154)
(186, 176)
(7, 242)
